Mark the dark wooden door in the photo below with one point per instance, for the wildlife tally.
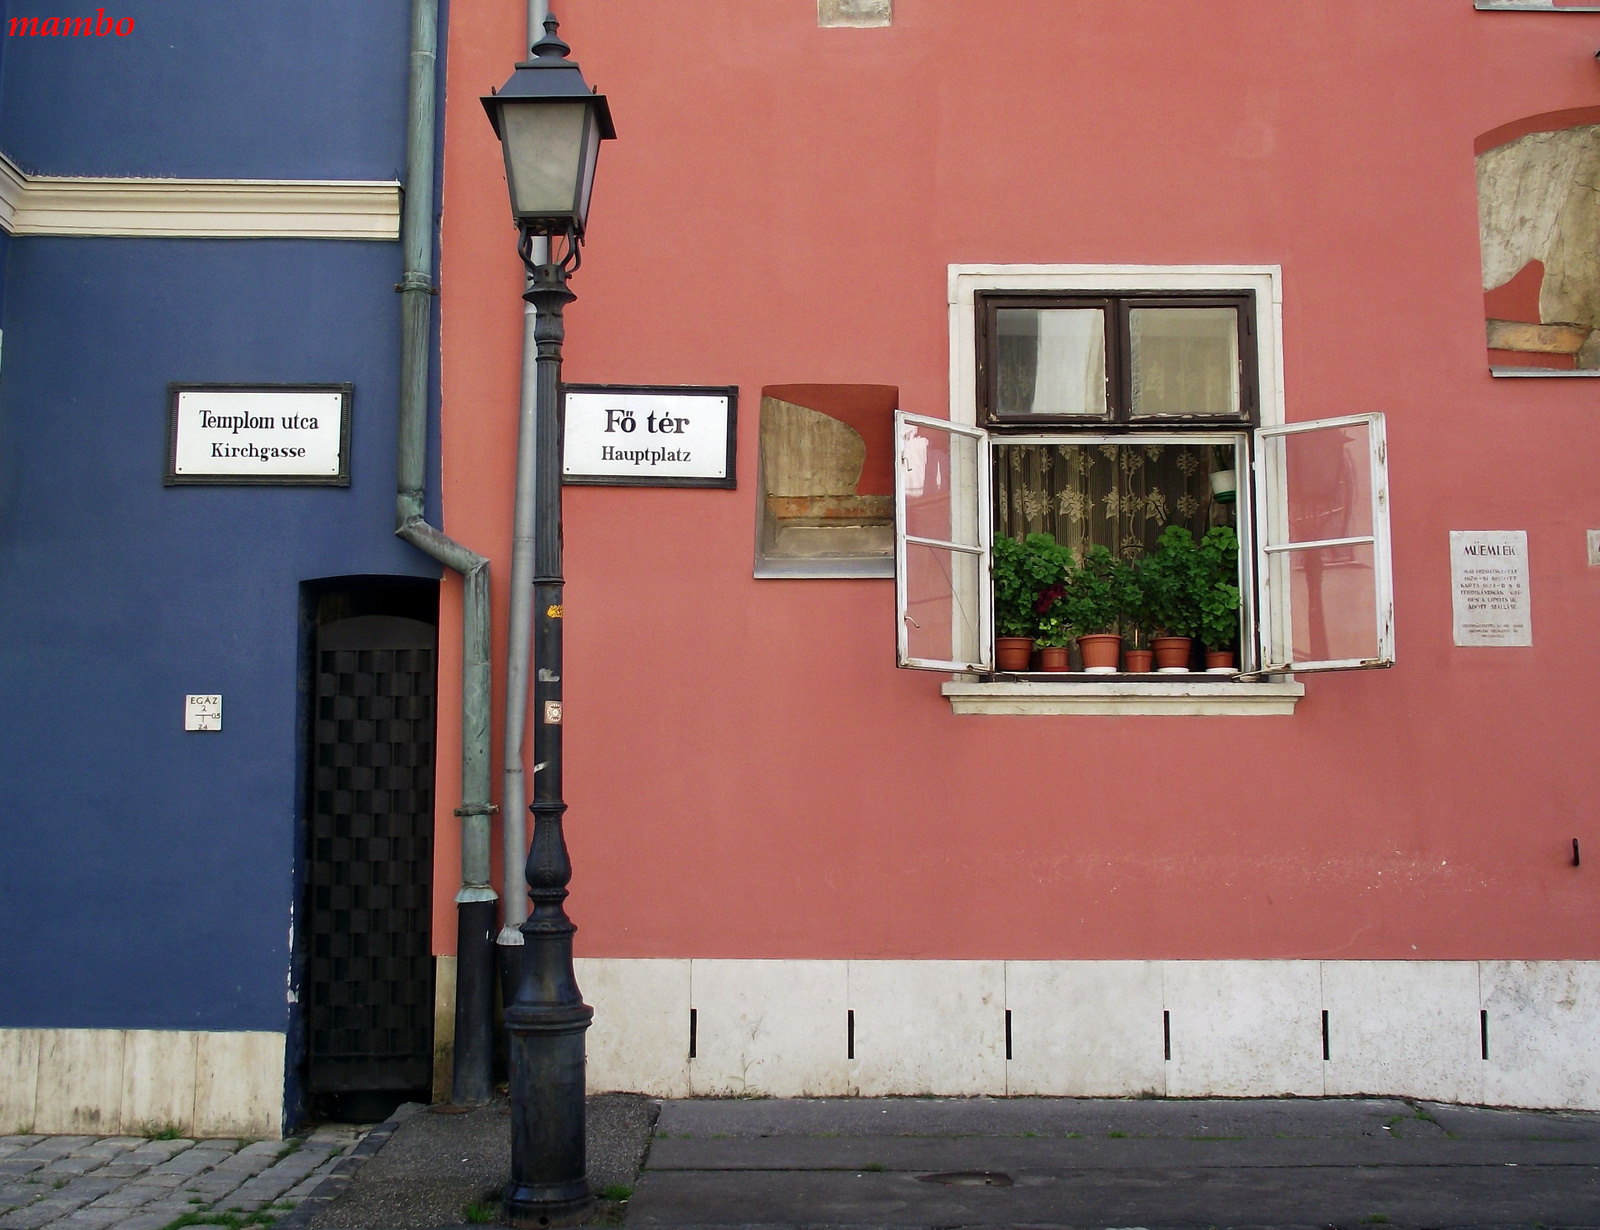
(369, 978)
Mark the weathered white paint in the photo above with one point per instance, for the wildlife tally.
(106, 1081)
(238, 1085)
(857, 13)
(80, 1083)
(1085, 1028)
(1544, 1033)
(19, 1079)
(640, 1035)
(928, 1027)
(746, 1044)
(158, 1068)
(198, 208)
(1126, 698)
(1094, 1028)
(1244, 1028)
(1409, 1028)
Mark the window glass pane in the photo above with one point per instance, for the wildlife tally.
(1119, 496)
(1329, 483)
(1333, 604)
(1185, 360)
(940, 478)
(1051, 362)
(941, 604)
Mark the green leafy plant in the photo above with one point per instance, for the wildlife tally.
(481, 1213)
(1133, 604)
(1171, 575)
(1217, 577)
(1023, 571)
(1092, 600)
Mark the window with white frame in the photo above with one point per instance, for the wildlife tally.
(1099, 406)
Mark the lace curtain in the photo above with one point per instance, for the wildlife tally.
(1120, 496)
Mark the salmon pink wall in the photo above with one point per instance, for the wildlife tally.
(748, 773)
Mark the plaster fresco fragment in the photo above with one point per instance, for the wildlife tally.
(1539, 230)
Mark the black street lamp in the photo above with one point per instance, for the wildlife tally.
(550, 125)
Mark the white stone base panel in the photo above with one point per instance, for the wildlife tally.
(1099, 1029)
(108, 1082)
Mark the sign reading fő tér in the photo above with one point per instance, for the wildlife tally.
(297, 435)
(649, 436)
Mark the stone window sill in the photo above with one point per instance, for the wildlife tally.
(1197, 697)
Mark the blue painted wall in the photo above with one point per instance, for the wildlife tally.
(289, 89)
(148, 874)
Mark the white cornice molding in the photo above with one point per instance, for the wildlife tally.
(198, 208)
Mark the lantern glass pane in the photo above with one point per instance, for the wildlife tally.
(591, 155)
(544, 155)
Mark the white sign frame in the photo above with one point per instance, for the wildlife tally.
(1514, 628)
(637, 400)
(185, 473)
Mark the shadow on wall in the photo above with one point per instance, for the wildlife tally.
(1539, 226)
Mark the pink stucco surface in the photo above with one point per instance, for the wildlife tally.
(749, 774)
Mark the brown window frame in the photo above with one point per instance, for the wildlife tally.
(1119, 367)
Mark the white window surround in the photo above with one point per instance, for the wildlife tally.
(1532, 6)
(1197, 697)
(198, 208)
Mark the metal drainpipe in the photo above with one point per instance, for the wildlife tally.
(514, 790)
(471, 1082)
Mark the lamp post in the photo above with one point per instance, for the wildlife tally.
(550, 125)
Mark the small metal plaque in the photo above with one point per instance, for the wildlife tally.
(202, 712)
(258, 435)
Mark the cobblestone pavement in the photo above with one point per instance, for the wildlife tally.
(131, 1183)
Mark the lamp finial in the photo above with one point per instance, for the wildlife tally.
(550, 47)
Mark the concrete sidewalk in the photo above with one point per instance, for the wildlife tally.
(1065, 1162)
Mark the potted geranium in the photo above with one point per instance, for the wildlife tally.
(1022, 571)
(1170, 574)
(1054, 629)
(1093, 610)
(1217, 577)
(1133, 617)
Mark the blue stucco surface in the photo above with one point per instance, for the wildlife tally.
(289, 89)
(147, 875)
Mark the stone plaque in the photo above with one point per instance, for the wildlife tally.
(1489, 576)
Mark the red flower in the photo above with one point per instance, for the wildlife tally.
(1048, 599)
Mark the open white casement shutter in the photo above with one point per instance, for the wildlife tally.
(941, 544)
(1322, 545)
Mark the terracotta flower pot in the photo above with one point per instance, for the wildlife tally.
(1219, 661)
(1053, 658)
(1172, 652)
(1138, 661)
(1100, 652)
(1012, 652)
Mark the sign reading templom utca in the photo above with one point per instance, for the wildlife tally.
(1489, 572)
(628, 435)
(295, 435)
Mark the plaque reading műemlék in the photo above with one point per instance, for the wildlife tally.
(1489, 576)
(296, 435)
